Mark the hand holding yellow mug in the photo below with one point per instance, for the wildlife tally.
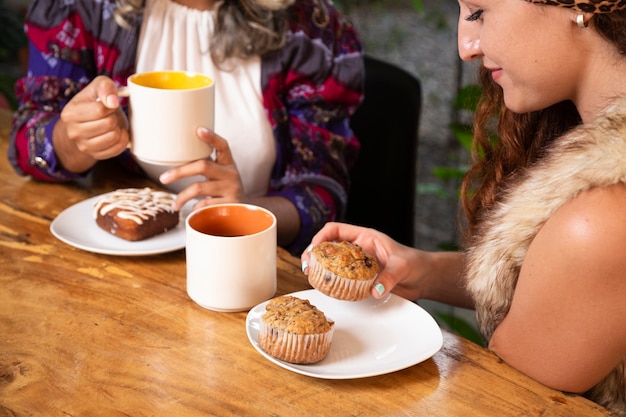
(166, 108)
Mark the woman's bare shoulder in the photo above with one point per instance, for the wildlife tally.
(593, 221)
(565, 325)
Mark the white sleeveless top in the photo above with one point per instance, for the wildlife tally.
(175, 37)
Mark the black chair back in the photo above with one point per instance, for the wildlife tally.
(383, 188)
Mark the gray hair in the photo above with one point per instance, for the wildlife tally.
(243, 28)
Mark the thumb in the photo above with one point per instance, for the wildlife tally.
(106, 92)
(383, 284)
(110, 101)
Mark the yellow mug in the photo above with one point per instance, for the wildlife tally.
(165, 110)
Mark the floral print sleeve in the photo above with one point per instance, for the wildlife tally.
(70, 43)
(311, 87)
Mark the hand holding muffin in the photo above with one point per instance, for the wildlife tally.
(403, 269)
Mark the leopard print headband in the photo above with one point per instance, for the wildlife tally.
(589, 6)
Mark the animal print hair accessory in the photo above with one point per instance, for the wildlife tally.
(589, 6)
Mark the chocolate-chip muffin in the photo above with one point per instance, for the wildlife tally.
(342, 270)
(295, 331)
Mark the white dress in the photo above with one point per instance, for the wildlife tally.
(175, 37)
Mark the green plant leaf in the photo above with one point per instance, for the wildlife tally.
(418, 5)
(467, 97)
(461, 327)
(448, 246)
(449, 173)
(463, 134)
(433, 189)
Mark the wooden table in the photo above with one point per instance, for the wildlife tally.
(83, 334)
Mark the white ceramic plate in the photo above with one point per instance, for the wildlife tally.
(77, 227)
(371, 337)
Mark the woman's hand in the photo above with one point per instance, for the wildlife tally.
(92, 127)
(223, 183)
(401, 266)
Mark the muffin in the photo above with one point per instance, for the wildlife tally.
(342, 270)
(293, 330)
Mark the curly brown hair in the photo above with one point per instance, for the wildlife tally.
(506, 143)
(243, 28)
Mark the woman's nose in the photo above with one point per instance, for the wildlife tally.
(469, 44)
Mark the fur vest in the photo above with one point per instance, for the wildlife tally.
(593, 155)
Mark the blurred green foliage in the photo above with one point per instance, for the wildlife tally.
(461, 327)
(12, 35)
(466, 99)
(12, 39)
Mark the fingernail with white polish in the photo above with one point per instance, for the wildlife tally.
(111, 101)
(164, 177)
(305, 265)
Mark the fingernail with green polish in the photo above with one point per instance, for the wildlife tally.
(380, 288)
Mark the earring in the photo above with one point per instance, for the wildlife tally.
(580, 21)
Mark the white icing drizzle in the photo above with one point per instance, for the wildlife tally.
(137, 204)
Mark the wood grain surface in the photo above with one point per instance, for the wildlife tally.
(84, 334)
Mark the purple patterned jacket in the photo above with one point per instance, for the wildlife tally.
(310, 88)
